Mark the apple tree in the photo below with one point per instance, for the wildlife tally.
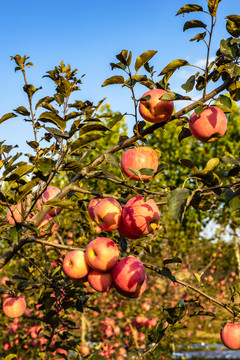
(160, 212)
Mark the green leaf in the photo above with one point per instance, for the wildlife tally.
(112, 160)
(177, 201)
(234, 203)
(189, 8)
(27, 188)
(10, 357)
(233, 69)
(57, 133)
(194, 24)
(114, 120)
(199, 109)
(212, 6)
(45, 165)
(19, 172)
(118, 66)
(123, 57)
(108, 173)
(7, 116)
(233, 25)
(113, 80)
(169, 96)
(189, 85)
(202, 313)
(144, 58)
(166, 272)
(53, 118)
(200, 36)
(228, 49)
(30, 89)
(33, 144)
(174, 65)
(22, 111)
(212, 164)
(226, 101)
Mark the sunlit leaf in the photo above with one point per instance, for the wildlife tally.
(194, 24)
(189, 8)
(175, 64)
(53, 118)
(144, 58)
(7, 116)
(114, 80)
(212, 6)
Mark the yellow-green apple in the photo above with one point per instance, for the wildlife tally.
(50, 193)
(107, 214)
(155, 110)
(102, 254)
(124, 232)
(100, 281)
(14, 307)
(139, 158)
(230, 335)
(75, 265)
(209, 125)
(91, 206)
(15, 213)
(140, 217)
(129, 277)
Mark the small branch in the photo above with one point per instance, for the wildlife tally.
(157, 269)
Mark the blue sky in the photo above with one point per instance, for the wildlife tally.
(88, 35)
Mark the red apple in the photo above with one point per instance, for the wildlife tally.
(209, 125)
(14, 307)
(107, 214)
(91, 206)
(15, 213)
(100, 281)
(139, 158)
(50, 193)
(230, 335)
(129, 277)
(124, 232)
(102, 254)
(84, 349)
(140, 217)
(75, 265)
(155, 110)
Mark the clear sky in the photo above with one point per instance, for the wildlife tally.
(88, 35)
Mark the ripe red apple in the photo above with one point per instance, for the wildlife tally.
(14, 307)
(91, 206)
(230, 335)
(140, 217)
(155, 110)
(209, 125)
(15, 213)
(100, 281)
(102, 254)
(124, 232)
(75, 265)
(50, 193)
(129, 277)
(139, 158)
(107, 214)
(84, 349)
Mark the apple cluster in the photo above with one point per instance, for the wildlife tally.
(134, 220)
(100, 266)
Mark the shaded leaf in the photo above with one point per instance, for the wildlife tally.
(189, 164)
(87, 139)
(173, 260)
(194, 24)
(144, 58)
(74, 166)
(189, 85)
(175, 64)
(233, 25)
(234, 90)
(226, 101)
(112, 159)
(92, 127)
(58, 203)
(185, 132)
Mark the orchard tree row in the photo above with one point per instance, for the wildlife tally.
(92, 216)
